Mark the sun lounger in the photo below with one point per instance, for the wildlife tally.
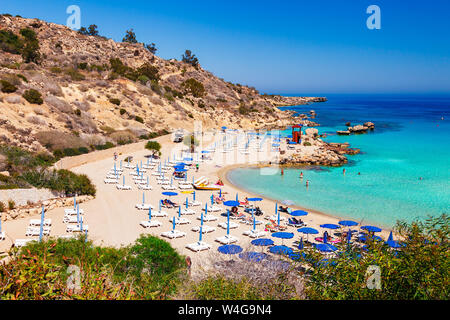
(294, 223)
(173, 234)
(2, 236)
(187, 211)
(145, 187)
(67, 236)
(208, 217)
(129, 166)
(275, 218)
(163, 182)
(37, 222)
(144, 206)
(112, 176)
(198, 246)
(156, 173)
(150, 224)
(169, 187)
(111, 181)
(73, 211)
(22, 242)
(255, 233)
(194, 203)
(180, 220)
(227, 239)
(35, 231)
(159, 214)
(70, 219)
(76, 228)
(224, 225)
(213, 208)
(185, 186)
(205, 229)
(123, 187)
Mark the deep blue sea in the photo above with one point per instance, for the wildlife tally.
(410, 141)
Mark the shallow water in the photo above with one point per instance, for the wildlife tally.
(410, 141)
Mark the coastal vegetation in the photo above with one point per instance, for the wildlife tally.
(151, 269)
(27, 170)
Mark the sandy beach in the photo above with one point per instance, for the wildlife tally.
(113, 219)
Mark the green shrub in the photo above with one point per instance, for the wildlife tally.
(194, 88)
(115, 101)
(154, 146)
(2, 207)
(78, 112)
(7, 87)
(307, 144)
(139, 119)
(21, 76)
(143, 79)
(10, 42)
(11, 204)
(107, 145)
(33, 96)
(75, 75)
(122, 112)
(55, 70)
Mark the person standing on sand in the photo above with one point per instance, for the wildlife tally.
(189, 264)
(115, 156)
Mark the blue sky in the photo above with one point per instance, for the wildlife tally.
(303, 47)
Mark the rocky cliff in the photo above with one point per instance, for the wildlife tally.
(92, 90)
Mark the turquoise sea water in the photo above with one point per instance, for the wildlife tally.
(410, 141)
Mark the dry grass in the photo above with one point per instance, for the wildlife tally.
(57, 140)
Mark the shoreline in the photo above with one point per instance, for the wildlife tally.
(223, 175)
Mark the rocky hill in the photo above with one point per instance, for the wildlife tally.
(61, 89)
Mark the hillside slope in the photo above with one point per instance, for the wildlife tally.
(96, 90)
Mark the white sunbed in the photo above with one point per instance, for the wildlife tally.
(145, 187)
(70, 219)
(156, 173)
(173, 234)
(213, 208)
(34, 231)
(67, 236)
(111, 181)
(76, 228)
(275, 218)
(194, 203)
(187, 211)
(144, 206)
(123, 187)
(198, 246)
(2, 236)
(224, 225)
(163, 183)
(148, 167)
(159, 214)
(112, 176)
(255, 233)
(22, 242)
(151, 224)
(185, 186)
(168, 187)
(208, 217)
(227, 239)
(180, 220)
(37, 222)
(129, 166)
(205, 229)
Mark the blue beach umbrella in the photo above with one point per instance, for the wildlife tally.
(120, 164)
(283, 250)
(228, 222)
(81, 224)
(149, 214)
(371, 228)
(231, 203)
(160, 205)
(230, 249)
(323, 247)
(179, 211)
(307, 230)
(348, 223)
(220, 193)
(173, 223)
(298, 213)
(300, 244)
(325, 238)
(42, 224)
(123, 180)
(201, 233)
(391, 237)
(254, 199)
(74, 202)
(143, 198)
(193, 195)
(212, 199)
(187, 203)
(237, 197)
(78, 213)
(283, 235)
(330, 226)
(169, 193)
(206, 208)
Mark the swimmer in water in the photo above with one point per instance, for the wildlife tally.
(307, 183)
(301, 175)
(343, 172)
(282, 171)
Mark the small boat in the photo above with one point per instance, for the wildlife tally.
(203, 184)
